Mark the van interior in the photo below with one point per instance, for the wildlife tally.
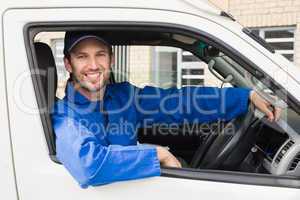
(249, 143)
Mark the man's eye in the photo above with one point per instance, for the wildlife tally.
(101, 54)
(81, 57)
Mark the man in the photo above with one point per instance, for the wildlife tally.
(89, 139)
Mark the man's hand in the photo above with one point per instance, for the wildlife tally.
(264, 106)
(166, 159)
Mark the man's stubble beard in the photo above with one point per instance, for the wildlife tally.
(80, 84)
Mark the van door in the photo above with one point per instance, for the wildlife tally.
(7, 181)
(38, 177)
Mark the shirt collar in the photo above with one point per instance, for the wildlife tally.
(76, 97)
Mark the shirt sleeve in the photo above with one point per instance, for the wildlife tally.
(191, 104)
(91, 163)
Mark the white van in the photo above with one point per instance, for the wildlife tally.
(189, 40)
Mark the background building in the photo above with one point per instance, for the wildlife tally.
(277, 21)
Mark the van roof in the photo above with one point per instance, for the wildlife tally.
(191, 6)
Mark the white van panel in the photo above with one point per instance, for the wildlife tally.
(7, 180)
(191, 6)
(40, 178)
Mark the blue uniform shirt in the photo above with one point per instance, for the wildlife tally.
(97, 142)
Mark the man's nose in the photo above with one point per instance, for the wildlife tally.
(93, 64)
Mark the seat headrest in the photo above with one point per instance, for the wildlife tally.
(47, 70)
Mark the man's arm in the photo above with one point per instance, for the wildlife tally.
(191, 104)
(91, 163)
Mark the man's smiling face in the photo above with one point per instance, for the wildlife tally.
(89, 63)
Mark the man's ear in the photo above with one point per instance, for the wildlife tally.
(67, 64)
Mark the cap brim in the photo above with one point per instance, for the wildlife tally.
(87, 37)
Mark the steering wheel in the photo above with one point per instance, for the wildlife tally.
(227, 150)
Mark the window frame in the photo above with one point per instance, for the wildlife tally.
(31, 29)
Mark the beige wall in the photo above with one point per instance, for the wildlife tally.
(47, 37)
(223, 4)
(140, 65)
(262, 13)
(267, 13)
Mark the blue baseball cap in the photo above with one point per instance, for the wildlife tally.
(72, 38)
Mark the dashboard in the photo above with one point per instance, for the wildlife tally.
(279, 144)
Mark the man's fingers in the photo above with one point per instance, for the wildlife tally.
(270, 116)
(277, 113)
(166, 158)
(179, 164)
(264, 107)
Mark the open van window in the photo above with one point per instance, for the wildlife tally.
(165, 58)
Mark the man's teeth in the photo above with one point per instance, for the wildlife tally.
(93, 75)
